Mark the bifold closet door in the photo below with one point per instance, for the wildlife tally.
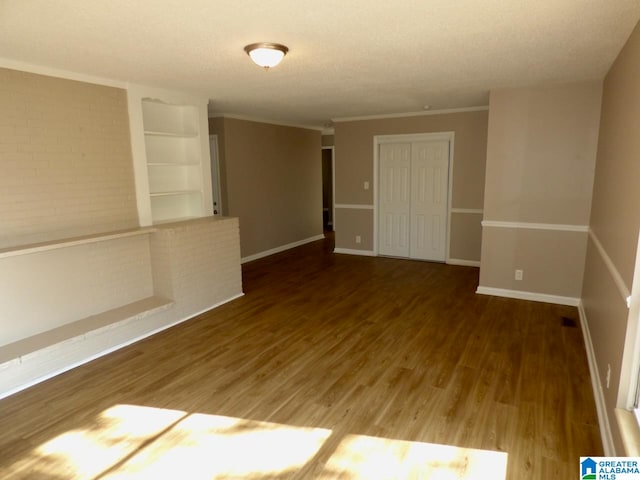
(429, 186)
(413, 192)
(395, 199)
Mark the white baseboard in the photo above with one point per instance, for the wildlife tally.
(464, 263)
(282, 248)
(353, 251)
(596, 384)
(536, 297)
(30, 370)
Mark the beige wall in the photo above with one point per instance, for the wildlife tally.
(606, 314)
(615, 220)
(354, 166)
(327, 141)
(349, 223)
(540, 162)
(615, 194)
(552, 261)
(273, 181)
(466, 236)
(541, 153)
(65, 159)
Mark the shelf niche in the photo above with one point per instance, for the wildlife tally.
(173, 145)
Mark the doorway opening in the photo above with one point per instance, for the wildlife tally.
(328, 167)
(216, 191)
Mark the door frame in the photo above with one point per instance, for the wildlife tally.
(411, 137)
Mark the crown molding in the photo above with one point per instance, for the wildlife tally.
(249, 118)
(60, 73)
(411, 114)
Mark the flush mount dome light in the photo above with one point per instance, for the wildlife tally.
(266, 54)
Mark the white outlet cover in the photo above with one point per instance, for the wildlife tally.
(366, 185)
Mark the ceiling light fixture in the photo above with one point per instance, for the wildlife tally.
(265, 54)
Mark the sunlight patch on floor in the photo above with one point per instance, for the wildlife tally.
(373, 458)
(212, 446)
(105, 440)
(136, 442)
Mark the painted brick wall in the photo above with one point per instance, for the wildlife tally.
(66, 170)
(197, 263)
(42, 291)
(65, 159)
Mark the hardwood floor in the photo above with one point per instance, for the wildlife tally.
(330, 366)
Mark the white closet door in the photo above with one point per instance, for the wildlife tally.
(395, 199)
(429, 185)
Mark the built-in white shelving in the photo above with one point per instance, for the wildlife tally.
(172, 137)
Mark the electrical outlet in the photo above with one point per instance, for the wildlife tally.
(366, 185)
(519, 274)
(608, 374)
(358, 239)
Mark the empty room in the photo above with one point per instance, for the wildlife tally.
(355, 240)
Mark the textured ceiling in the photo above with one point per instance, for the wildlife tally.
(347, 57)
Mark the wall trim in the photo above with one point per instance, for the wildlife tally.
(353, 251)
(536, 226)
(73, 354)
(353, 206)
(596, 384)
(411, 114)
(613, 271)
(522, 295)
(282, 248)
(462, 262)
(249, 118)
(479, 211)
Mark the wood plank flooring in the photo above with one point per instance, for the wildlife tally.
(331, 366)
